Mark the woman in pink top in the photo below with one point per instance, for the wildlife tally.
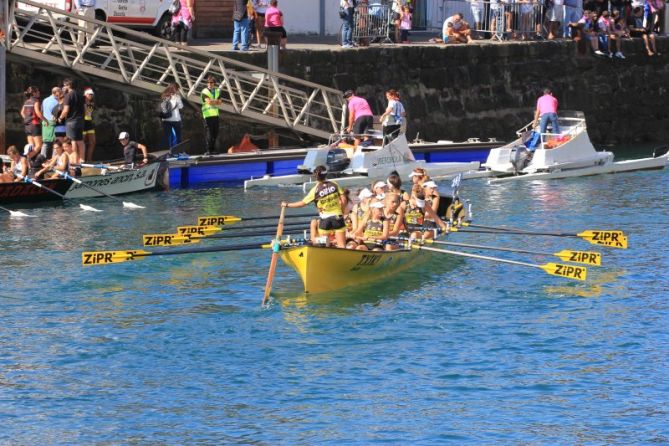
(182, 21)
(547, 106)
(360, 116)
(274, 22)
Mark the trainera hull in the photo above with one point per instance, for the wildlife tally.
(327, 269)
(21, 192)
(116, 182)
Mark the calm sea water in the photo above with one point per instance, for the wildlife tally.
(177, 350)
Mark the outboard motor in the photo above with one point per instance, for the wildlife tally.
(659, 151)
(337, 160)
(520, 157)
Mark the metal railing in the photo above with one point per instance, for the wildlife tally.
(372, 23)
(499, 20)
(52, 36)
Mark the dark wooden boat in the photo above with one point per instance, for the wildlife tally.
(22, 192)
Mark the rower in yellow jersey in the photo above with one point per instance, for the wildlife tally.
(330, 201)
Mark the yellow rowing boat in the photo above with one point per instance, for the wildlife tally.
(327, 269)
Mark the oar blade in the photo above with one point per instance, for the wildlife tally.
(87, 208)
(585, 257)
(217, 220)
(19, 214)
(92, 258)
(168, 239)
(131, 205)
(612, 239)
(197, 231)
(567, 271)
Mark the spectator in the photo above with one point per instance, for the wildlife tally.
(260, 7)
(73, 115)
(605, 35)
(49, 123)
(56, 111)
(547, 106)
(182, 21)
(172, 123)
(477, 7)
(526, 10)
(637, 26)
(573, 11)
(89, 127)
(397, 19)
(652, 11)
(86, 9)
(405, 25)
(393, 117)
(360, 116)
(31, 112)
(211, 99)
(347, 9)
(456, 30)
(587, 30)
(253, 24)
(509, 17)
(555, 16)
(240, 20)
(274, 22)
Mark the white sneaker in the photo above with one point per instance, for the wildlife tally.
(620, 55)
(599, 53)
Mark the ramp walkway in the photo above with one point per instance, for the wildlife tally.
(52, 36)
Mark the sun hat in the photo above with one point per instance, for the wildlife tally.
(430, 184)
(376, 205)
(365, 193)
(124, 135)
(416, 173)
(89, 91)
(380, 184)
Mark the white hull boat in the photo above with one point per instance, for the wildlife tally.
(566, 154)
(363, 165)
(115, 181)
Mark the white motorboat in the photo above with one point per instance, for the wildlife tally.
(351, 166)
(569, 153)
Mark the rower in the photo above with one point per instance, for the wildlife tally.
(432, 200)
(394, 214)
(359, 210)
(18, 169)
(59, 162)
(130, 149)
(417, 176)
(415, 214)
(373, 233)
(330, 201)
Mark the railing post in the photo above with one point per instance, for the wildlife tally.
(4, 37)
(273, 50)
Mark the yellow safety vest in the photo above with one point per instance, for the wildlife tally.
(209, 111)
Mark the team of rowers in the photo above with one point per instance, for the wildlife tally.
(62, 162)
(383, 216)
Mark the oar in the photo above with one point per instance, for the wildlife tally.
(15, 213)
(221, 220)
(190, 238)
(275, 256)
(212, 231)
(585, 257)
(612, 239)
(97, 166)
(554, 269)
(126, 204)
(90, 258)
(41, 186)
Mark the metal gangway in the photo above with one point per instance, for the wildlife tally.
(52, 36)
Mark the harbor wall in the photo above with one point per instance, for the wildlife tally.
(450, 92)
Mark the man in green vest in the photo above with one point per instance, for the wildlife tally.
(211, 99)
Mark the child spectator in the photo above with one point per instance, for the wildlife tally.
(405, 25)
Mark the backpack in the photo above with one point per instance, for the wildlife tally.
(175, 6)
(165, 110)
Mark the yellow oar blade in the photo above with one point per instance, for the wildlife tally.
(198, 231)
(585, 257)
(613, 239)
(217, 220)
(568, 271)
(167, 239)
(91, 258)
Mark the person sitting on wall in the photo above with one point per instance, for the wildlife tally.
(456, 30)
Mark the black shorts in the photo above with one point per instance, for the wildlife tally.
(74, 129)
(362, 124)
(335, 223)
(278, 29)
(33, 130)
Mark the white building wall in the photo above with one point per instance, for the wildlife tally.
(304, 16)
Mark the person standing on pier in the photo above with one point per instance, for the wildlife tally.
(240, 21)
(211, 99)
(89, 127)
(31, 112)
(73, 116)
(49, 125)
(182, 21)
(547, 106)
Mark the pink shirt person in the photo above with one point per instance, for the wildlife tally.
(358, 107)
(273, 17)
(547, 106)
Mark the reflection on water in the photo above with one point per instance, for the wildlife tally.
(177, 349)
